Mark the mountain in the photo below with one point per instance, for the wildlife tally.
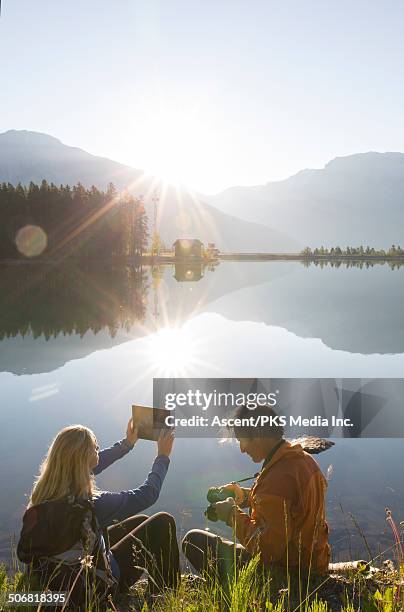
(353, 200)
(23, 355)
(31, 156)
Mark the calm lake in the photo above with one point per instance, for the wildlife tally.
(81, 345)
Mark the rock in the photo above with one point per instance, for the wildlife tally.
(313, 445)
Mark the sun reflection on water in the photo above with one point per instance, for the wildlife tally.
(172, 351)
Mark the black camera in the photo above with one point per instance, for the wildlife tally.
(214, 495)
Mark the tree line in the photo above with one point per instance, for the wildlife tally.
(361, 251)
(71, 221)
(346, 262)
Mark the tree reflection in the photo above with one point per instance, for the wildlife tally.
(49, 300)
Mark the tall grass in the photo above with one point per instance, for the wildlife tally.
(248, 588)
(246, 592)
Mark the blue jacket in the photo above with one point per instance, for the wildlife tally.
(111, 507)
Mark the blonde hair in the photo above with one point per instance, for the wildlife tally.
(66, 468)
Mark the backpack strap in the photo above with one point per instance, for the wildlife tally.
(103, 566)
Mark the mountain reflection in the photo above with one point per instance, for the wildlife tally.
(51, 315)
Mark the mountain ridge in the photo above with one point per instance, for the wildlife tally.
(353, 200)
(27, 156)
(304, 172)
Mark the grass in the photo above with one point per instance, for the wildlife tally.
(247, 592)
(250, 589)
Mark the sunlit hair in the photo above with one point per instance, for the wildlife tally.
(66, 468)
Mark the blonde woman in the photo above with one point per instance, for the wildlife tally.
(73, 531)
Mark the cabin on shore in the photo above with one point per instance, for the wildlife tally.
(189, 248)
(212, 252)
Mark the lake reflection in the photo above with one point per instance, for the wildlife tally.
(81, 346)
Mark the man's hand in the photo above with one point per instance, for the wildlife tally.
(233, 487)
(131, 433)
(224, 509)
(165, 442)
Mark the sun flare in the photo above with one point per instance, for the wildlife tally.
(174, 145)
(172, 352)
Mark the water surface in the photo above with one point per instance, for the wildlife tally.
(82, 345)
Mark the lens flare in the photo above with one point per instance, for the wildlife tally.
(172, 351)
(31, 240)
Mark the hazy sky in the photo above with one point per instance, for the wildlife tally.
(218, 92)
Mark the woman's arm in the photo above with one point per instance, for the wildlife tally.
(108, 456)
(110, 507)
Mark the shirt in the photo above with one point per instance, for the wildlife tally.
(286, 524)
(117, 506)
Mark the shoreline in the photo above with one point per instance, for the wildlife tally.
(152, 260)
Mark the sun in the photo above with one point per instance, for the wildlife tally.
(171, 351)
(173, 144)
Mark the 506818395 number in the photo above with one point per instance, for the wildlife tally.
(29, 598)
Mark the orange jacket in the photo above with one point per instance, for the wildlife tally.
(287, 512)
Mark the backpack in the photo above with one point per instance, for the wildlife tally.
(63, 543)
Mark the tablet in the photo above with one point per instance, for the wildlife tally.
(149, 421)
